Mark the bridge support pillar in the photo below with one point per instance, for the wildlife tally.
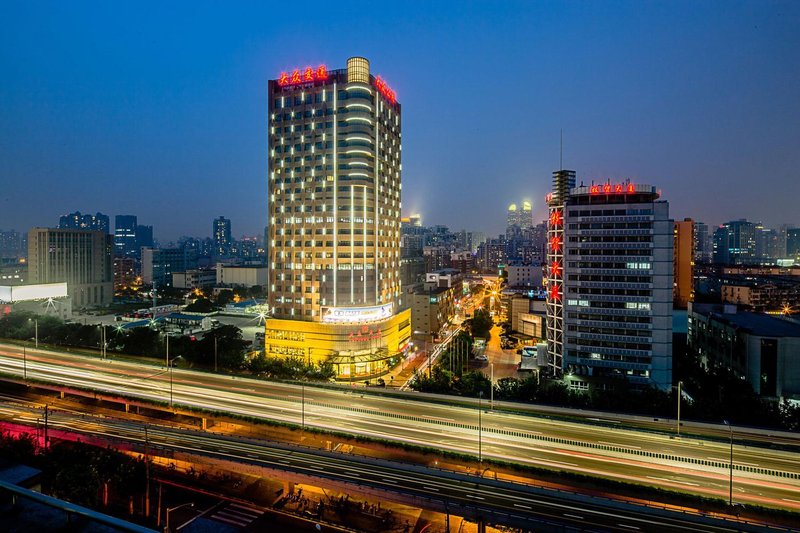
(127, 408)
(481, 526)
(204, 423)
(62, 394)
(288, 487)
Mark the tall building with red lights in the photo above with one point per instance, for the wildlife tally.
(610, 278)
(334, 218)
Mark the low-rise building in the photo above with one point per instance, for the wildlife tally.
(432, 309)
(761, 293)
(763, 349)
(525, 275)
(241, 276)
(527, 316)
(194, 279)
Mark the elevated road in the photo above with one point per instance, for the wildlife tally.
(474, 497)
(761, 476)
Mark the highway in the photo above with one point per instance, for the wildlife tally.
(460, 494)
(762, 476)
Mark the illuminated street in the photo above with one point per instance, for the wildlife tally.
(691, 465)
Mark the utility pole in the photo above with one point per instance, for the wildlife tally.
(167, 357)
(303, 405)
(24, 363)
(46, 436)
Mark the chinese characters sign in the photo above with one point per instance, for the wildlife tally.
(308, 75)
(385, 90)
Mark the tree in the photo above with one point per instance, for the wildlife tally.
(225, 297)
(201, 305)
(481, 323)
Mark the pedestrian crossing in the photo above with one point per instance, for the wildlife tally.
(236, 515)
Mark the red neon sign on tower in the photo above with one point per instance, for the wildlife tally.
(385, 90)
(555, 242)
(555, 293)
(555, 218)
(618, 188)
(306, 76)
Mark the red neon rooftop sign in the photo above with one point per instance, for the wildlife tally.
(385, 90)
(608, 188)
(303, 76)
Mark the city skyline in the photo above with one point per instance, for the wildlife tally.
(119, 117)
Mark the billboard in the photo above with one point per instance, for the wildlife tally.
(22, 293)
(349, 315)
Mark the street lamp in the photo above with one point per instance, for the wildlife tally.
(679, 407)
(730, 484)
(480, 426)
(491, 390)
(169, 365)
(170, 509)
(36, 330)
(24, 363)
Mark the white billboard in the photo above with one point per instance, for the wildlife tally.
(349, 315)
(22, 293)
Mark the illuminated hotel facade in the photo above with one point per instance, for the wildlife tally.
(334, 220)
(610, 277)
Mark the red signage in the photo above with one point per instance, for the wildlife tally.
(555, 293)
(385, 90)
(555, 269)
(608, 188)
(555, 242)
(303, 76)
(548, 197)
(555, 218)
(364, 334)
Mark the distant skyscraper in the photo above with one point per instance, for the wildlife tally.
(735, 243)
(519, 217)
(144, 238)
(82, 259)
(334, 208)
(97, 222)
(702, 243)
(793, 243)
(222, 235)
(609, 298)
(10, 245)
(683, 263)
(125, 235)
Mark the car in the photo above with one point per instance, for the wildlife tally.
(482, 358)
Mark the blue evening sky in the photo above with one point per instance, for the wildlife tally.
(160, 109)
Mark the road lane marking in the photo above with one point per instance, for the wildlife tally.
(523, 506)
(390, 481)
(629, 527)
(430, 488)
(576, 517)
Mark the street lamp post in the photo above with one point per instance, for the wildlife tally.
(36, 330)
(24, 363)
(170, 363)
(303, 405)
(170, 509)
(679, 407)
(491, 383)
(730, 483)
(480, 426)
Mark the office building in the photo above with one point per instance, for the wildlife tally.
(735, 243)
(609, 295)
(761, 349)
(97, 222)
(222, 235)
(683, 263)
(158, 264)
(527, 276)
(519, 218)
(125, 236)
(11, 245)
(334, 219)
(194, 279)
(82, 259)
(144, 238)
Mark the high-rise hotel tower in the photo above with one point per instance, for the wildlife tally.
(334, 219)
